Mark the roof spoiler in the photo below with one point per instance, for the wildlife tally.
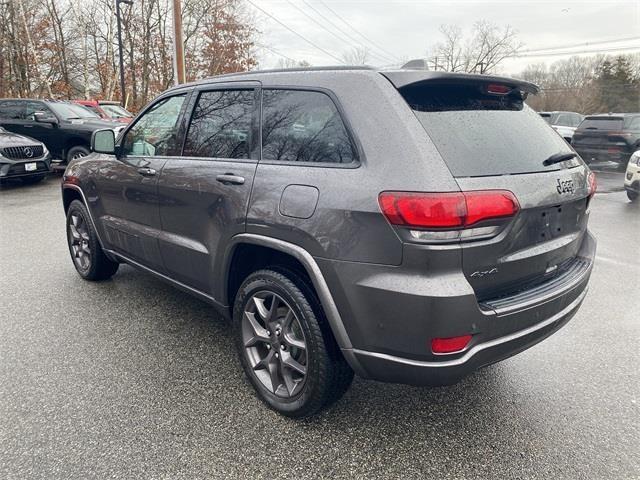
(404, 78)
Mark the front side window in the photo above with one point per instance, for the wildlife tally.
(13, 110)
(221, 125)
(154, 134)
(303, 126)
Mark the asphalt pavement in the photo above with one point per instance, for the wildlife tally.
(131, 378)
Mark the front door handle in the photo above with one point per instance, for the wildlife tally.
(230, 179)
(146, 172)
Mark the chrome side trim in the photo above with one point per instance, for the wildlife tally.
(481, 346)
(304, 257)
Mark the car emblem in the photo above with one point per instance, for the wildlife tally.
(28, 152)
(565, 186)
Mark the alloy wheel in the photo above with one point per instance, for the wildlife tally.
(79, 241)
(274, 343)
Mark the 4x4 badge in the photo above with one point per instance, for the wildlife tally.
(565, 186)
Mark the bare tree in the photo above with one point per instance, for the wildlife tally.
(482, 52)
(356, 56)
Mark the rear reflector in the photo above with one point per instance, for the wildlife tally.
(450, 345)
(448, 210)
(593, 184)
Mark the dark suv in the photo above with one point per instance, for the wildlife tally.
(408, 226)
(612, 137)
(65, 128)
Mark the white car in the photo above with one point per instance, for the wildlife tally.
(632, 177)
(565, 123)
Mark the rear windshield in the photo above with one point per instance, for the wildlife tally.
(602, 123)
(479, 134)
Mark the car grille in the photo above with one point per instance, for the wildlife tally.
(23, 153)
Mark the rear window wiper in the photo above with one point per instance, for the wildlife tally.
(559, 157)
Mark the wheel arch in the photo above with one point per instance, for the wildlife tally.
(75, 142)
(68, 196)
(249, 252)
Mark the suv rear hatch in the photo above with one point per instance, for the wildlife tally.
(490, 140)
(600, 137)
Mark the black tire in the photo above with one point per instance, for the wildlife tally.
(328, 375)
(632, 196)
(77, 152)
(32, 180)
(94, 265)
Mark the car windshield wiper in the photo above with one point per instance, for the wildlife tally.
(559, 157)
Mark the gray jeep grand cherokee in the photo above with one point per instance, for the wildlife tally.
(408, 226)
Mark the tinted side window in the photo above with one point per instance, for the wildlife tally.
(154, 134)
(221, 125)
(12, 110)
(300, 126)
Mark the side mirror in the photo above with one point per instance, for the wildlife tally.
(43, 117)
(103, 141)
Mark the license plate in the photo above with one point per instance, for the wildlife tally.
(30, 167)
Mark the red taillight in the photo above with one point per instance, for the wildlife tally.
(593, 184)
(447, 210)
(450, 345)
(498, 89)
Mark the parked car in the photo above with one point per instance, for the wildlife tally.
(22, 157)
(350, 226)
(65, 128)
(565, 123)
(107, 110)
(612, 137)
(632, 177)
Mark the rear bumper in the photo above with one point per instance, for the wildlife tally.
(391, 316)
(594, 154)
(390, 368)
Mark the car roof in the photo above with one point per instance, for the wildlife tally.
(399, 78)
(604, 115)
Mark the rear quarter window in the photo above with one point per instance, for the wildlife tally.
(479, 134)
(303, 126)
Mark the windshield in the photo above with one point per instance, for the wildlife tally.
(68, 111)
(115, 111)
(480, 134)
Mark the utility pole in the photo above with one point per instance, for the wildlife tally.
(120, 54)
(178, 46)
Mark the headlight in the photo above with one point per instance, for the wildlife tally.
(635, 158)
(45, 151)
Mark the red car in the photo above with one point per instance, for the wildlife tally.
(107, 110)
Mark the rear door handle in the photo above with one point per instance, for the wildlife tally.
(146, 172)
(230, 179)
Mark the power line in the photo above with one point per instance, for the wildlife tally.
(389, 54)
(586, 44)
(273, 50)
(347, 34)
(296, 33)
(574, 52)
(342, 39)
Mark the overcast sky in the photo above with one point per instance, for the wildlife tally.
(407, 28)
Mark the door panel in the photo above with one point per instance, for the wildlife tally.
(204, 195)
(129, 209)
(199, 213)
(128, 187)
